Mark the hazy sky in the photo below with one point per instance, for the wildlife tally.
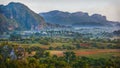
(109, 8)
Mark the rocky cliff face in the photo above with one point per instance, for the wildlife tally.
(18, 16)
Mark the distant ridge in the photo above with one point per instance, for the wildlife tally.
(76, 19)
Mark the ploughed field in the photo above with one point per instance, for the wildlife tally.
(89, 52)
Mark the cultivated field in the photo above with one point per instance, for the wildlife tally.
(90, 52)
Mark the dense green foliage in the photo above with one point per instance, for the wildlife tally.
(67, 43)
(43, 59)
(60, 62)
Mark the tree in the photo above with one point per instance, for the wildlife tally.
(78, 46)
(15, 37)
(47, 54)
(69, 56)
(62, 64)
(1, 58)
(6, 51)
(81, 64)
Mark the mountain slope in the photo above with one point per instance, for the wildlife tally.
(75, 19)
(3, 24)
(18, 16)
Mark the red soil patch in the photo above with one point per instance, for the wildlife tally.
(44, 47)
(79, 53)
(84, 44)
(86, 52)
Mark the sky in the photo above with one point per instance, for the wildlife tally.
(108, 8)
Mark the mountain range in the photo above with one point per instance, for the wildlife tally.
(17, 16)
(76, 18)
